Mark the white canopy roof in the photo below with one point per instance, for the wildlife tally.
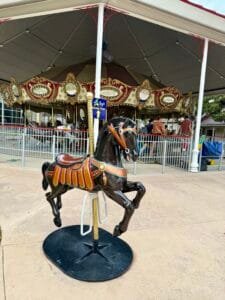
(32, 45)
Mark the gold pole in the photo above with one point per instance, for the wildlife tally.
(53, 123)
(90, 124)
(76, 115)
(74, 118)
(95, 218)
(91, 152)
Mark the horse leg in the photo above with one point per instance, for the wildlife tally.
(55, 210)
(135, 186)
(123, 201)
(59, 198)
(56, 193)
(59, 202)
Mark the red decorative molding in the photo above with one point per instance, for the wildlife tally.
(120, 90)
(171, 93)
(2, 21)
(50, 89)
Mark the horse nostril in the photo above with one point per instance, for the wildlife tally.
(135, 155)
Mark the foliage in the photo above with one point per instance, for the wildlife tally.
(214, 106)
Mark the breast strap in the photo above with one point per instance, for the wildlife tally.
(108, 168)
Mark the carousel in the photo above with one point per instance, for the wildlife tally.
(58, 97)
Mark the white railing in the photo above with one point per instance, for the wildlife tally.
(29, 142)
(11, 116)
(23, 144)
(165, 150)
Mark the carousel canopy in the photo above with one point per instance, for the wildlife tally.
(58, 88)
(85, 72)
(31, 46)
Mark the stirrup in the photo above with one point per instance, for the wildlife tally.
(101, 218)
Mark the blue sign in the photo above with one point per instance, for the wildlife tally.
(99, 108)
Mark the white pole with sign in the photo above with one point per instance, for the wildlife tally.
(98, 67)
(194, 161)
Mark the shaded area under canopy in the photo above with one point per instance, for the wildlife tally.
(31, 46)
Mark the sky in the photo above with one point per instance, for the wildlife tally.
(215, 5)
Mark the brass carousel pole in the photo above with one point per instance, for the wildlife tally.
(76, 118)
(91, 152)
(53, 123)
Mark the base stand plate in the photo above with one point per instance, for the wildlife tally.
(85, 259)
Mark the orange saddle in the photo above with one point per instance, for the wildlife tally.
(73, 171)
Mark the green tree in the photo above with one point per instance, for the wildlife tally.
(214, 106)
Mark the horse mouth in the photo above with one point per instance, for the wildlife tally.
(130, 156)
(134, 157)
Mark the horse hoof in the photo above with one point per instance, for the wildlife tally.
(117, 231)
(59, 206)
(58, 222)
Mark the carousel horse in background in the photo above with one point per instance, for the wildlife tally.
(104, 171)
(65, 135)
(39, 134)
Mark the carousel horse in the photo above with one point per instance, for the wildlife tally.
(66, 137)
(39, 134)
(104, 171)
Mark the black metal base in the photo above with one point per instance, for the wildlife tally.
(85, 259)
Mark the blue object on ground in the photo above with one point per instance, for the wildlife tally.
(212, 149)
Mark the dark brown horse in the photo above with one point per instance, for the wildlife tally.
(103, 172)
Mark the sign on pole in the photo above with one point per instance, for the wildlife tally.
(99, 108)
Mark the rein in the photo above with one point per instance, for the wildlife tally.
(119, 137)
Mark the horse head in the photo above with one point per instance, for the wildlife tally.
(125, 134)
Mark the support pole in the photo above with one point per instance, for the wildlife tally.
(53, 123)
(25, 115)
(195, 152)
(3, 111)
(91, 152)
(98, 67)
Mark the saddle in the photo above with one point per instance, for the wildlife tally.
(73, 171)
(80, 172)
(66, 160)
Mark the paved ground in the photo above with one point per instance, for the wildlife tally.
(177, 236)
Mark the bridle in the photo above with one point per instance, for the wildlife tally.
(119, 136)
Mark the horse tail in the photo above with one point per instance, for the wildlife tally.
(44, 180)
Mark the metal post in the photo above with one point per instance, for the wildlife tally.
(195, 152)
(91, 151)
(25, 115)
(53, 123)
(98, 67)
(221, 158)
(23, 147)
(164, 156)
(3, 111)
(53, 147)
(213, 134)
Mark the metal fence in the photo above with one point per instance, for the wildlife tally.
(30, 145)
(11, 115)
(27, 142)
(174, 151)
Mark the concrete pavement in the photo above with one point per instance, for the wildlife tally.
(177, 236)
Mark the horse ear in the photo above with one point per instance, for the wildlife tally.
(121, 125)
